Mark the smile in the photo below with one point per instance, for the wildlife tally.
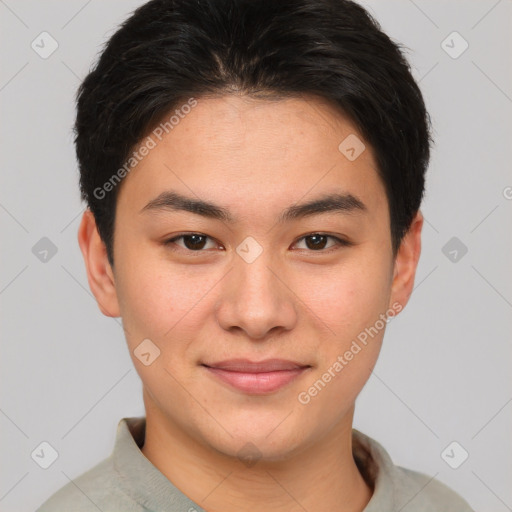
(256, 377)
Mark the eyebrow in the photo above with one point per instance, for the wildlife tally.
(340, 203)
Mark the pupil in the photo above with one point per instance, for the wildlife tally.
(196, 243)
(320, 241)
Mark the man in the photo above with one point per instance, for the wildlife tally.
(254, 172)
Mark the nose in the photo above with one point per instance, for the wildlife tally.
(256, 299)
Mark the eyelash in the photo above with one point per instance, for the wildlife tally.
(340, 242)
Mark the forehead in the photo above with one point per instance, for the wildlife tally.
(246, 151)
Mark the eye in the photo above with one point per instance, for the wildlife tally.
(198, 242)
(194, 242)
(317, 242)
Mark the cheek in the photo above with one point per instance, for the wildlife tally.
(348, 298)
(351, 303)
(150, 298)
(159, 300)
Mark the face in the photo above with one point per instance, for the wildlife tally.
(255, 255)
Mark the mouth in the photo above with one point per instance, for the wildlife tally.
(256, 377)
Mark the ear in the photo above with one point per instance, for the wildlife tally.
(406, 262)
(99, 271)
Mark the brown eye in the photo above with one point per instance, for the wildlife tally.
(195, 242)
(317, 242)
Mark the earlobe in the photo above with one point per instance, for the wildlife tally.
(99, 271)
(406, 262)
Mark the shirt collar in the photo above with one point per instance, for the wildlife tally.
(378, 469)
(139, 478)
(146, 485)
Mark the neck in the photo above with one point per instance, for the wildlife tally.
(323, 476)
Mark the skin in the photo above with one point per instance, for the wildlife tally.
(254, 158)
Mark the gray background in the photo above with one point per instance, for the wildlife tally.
(444, 372)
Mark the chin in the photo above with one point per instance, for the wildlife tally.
(262, 442)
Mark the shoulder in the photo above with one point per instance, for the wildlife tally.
(418, 492)
(399, 488)
(94, 490)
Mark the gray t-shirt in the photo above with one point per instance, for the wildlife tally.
(127, 481)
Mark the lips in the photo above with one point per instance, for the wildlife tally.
(256, 377)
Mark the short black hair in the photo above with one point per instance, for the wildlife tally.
(169, 51)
